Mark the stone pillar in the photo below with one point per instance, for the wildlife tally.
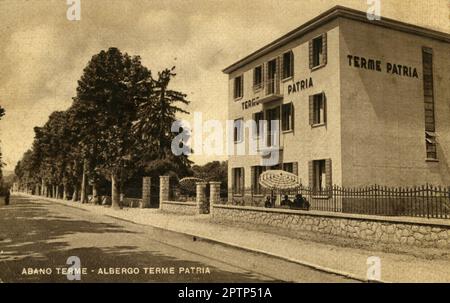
(202, 202)
(146, 187)
(164, 183)
(214, 193)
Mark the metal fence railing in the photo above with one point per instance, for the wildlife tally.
(420, 201)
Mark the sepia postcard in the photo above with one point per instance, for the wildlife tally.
(205, 141)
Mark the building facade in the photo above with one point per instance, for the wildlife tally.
(359, 102)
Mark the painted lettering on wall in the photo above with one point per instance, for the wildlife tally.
(300, 85)
(250, 103)
(376, 65)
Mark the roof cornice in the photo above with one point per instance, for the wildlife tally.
(326, 17)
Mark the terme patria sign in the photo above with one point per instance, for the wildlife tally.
(376, 65)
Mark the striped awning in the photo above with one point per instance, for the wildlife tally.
(278, 180)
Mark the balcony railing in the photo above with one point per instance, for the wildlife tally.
(272, 90)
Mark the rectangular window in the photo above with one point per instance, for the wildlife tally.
(257, 171)
(271, 77)
(288, 65)
(259, 118)
(317, 109)
(273, 126)
(238, 127)
(430, 123)
(287, 117)
(238, 180)
(319, 178)
(257, 77)
(289, 167)
(238, 87)
(318, 51)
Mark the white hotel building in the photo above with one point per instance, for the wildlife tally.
(360, 102)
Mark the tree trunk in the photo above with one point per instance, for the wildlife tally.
(42, 187)
(57, 191)
(64, 192)
(115, 192)
(75, 193)
(83, 184)
(94, 194)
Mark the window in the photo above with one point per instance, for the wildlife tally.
(272, 83)
(273, 126)
(288, 65)
(430, 123)
(257, 77)
(259, 118)
(288, 167)
(238, 135)
(238, 180)
(317, 109)
(287, 117)
(318, 51)
(257, 171)
(238, 87)
(320, 174)
(430, 138)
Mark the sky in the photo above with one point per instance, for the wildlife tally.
(43, 53)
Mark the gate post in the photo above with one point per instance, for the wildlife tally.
(146, 184)
(202, 202)
(163, 189)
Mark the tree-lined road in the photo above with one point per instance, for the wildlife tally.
(40, 235)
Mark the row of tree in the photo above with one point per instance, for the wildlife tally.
(118, 126)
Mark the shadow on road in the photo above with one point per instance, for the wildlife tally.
(32, 236)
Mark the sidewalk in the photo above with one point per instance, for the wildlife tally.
(345, 261)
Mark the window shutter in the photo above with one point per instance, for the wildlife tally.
(266, 75)
(324, 99)
(292, 116)
(311, 173)
(328, 179)
(295, 168)
(242, 181)
(252, 177)
(242, 86)
(263, 74)
(311, 110)
(279, 69)
(282, 71)
(324, 49)
(311, 55)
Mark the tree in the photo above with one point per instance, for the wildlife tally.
(156, 115)
(112, 86)
(214, 171)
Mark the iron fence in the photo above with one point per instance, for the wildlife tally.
(420, 201)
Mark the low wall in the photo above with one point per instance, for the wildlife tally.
(182, 208)
(409, 231)
(132, 202)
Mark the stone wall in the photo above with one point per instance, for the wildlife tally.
(132, 202)
(182, 208)
(409, 231)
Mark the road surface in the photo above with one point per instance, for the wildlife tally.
(37, 237)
